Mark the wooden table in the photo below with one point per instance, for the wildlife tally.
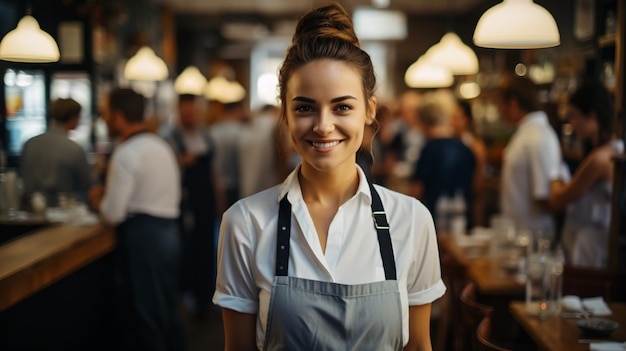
(492, 279)
(561, 334)
(484, 270)
(34, 261)
(496, 287)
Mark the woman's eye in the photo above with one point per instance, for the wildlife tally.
(303, 108)
(344, 108)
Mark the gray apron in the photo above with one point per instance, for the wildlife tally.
(316, 315)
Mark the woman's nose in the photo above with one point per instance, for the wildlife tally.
(324, 123)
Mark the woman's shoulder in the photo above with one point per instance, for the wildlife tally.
(601, 155)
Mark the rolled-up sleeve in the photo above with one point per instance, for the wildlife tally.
(235, 285)
(424, 281)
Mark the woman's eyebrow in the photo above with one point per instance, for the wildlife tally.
(337, 99)
(303, 99)
(343, 98)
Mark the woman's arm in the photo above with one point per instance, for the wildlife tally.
(595, 167)
(419, 328)
(239, 330)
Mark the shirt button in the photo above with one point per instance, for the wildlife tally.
(282, 247)
(281, 268)
(284, 228)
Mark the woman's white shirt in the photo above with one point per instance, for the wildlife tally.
(247, 248)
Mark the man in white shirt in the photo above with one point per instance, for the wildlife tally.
(531, 159)
(141, 199)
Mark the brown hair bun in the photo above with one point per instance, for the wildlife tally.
(331, 21)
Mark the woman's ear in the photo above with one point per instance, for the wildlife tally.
(371, 111)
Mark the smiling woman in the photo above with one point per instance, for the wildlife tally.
(340, 281)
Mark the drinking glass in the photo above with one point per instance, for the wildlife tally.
(544, 283)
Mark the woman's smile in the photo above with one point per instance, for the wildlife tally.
(325, 146)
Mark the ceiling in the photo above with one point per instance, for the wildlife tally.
(287, 7)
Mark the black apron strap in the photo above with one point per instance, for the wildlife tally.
(283, 235)
(384, 237)
(380, 223)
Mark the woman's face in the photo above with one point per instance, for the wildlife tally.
(326, 114)
(585, 126)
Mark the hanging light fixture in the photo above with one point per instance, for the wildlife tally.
(517, 24)
(190, 81)
(145, 65)
(452, 53)
(424, 73)
(28, 43)
(224, 91)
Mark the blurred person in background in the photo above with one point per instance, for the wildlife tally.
(225, 134)
(532, 157)
(141, 198)
(587, 196)
(463, 129)
(258, 152)
(51, 163)
(195, 151)
(446, 166)
(402, 137)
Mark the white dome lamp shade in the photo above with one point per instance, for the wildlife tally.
(190, 81)
(452, 53)
(145, 65)
(517, 24)
(425, 74)
(224, 91)
(28, 43)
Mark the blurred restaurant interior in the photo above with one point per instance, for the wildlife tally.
(57, 276)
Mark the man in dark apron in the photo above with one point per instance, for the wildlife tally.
(195, 151)
(141, 199)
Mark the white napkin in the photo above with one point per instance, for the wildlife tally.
(607, 346)
(595, 305)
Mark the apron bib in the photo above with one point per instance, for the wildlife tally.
(317, 315)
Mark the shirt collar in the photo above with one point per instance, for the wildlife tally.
(532, 118)
(52, 128)
(291, 185)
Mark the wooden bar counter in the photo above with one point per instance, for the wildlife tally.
(34, 261)
(58, 289)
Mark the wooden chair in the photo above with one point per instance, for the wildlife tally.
(472, 313)
(450, 325)
(483, 337)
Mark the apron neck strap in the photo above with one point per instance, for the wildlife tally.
(380, 223)
(384, 237)
(283, 235)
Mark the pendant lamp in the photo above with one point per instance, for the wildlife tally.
(450, 52)
(224, 91)
(190, 81)
(145, 65)
(517, 24)
(28, 43)
(425, 74)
